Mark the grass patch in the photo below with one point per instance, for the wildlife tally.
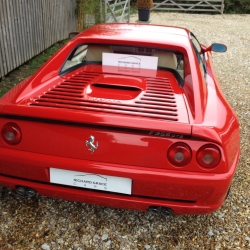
(27, 69)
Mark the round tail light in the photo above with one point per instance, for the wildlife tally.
(208, 156)
(11, 133)
(179, 154)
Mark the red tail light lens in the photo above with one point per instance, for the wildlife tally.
(11, 133)
(208, 156)
(179, 154)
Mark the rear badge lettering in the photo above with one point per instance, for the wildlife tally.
(164, 134)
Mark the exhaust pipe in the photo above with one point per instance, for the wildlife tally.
(165, 211)
(154, 210)
(30, 193)
(21, 190)
(25, 191)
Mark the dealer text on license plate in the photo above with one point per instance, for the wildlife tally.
(90, 180)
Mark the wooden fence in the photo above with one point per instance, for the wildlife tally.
(27, 27)
(190, 5)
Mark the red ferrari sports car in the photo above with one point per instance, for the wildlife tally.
(125, 115)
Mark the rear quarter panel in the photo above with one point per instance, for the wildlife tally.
(220, 122)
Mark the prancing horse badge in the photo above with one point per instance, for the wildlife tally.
(91, 144)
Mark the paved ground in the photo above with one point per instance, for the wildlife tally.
(55, 224)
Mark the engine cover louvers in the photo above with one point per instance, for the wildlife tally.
(157, 100)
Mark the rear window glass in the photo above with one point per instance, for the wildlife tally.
(93, 54)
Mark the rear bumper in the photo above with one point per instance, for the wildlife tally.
(183, 192)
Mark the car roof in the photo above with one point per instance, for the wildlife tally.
(136, 32)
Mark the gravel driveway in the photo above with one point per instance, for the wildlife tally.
(56, 224)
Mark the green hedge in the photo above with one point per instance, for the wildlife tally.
(237, 6)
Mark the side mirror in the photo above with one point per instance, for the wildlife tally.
(217, 47)
(73, 34)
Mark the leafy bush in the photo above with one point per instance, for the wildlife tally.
(89, 12)
(237, 6)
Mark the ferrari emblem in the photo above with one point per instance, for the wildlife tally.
(91, 144)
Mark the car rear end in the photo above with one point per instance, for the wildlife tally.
(100, 137)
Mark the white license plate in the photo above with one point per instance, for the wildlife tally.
(92, 181)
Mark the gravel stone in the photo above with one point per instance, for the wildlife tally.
(221, 216)
(104, 237)
(217, 232)
(96, 237)
(45, 247)
(60, 241)
(210, 233)
(108, 243)
(147, 247)
(29, 223)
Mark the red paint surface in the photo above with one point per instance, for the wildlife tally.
(57, 114)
